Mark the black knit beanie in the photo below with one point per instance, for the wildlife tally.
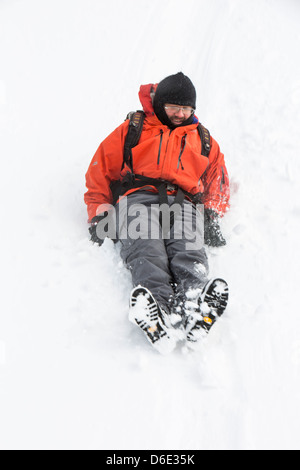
(175, 89)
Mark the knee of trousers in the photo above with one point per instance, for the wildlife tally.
(134, 252)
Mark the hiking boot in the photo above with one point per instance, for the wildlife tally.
(212, 304)
(146, 313)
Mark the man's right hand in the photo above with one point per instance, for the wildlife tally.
(93, 229)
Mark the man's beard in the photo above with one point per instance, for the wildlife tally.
(177, 121)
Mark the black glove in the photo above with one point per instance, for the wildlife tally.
(93, 229)
(212, 232)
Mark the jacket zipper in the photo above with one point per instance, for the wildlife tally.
(182, 147)
(160, 144)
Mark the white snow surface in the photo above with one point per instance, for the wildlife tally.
(74, 372)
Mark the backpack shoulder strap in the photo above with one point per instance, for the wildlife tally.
(205, 140)
(136, 121)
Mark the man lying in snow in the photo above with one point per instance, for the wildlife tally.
(177, 165)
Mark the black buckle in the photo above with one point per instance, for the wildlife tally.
(171, 187)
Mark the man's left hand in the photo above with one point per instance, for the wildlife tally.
(212, 232)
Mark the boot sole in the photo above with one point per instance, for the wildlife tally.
(151, 323)
(214, 299)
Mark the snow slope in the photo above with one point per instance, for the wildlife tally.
(74, 373)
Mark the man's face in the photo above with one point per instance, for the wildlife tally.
(178, 114)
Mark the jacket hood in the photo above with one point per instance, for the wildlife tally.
(146, 95)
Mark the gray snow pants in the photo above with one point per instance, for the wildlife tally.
(167, 265)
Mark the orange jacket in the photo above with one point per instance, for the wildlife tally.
(174, 156)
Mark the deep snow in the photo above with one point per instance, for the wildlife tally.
(74, 373)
